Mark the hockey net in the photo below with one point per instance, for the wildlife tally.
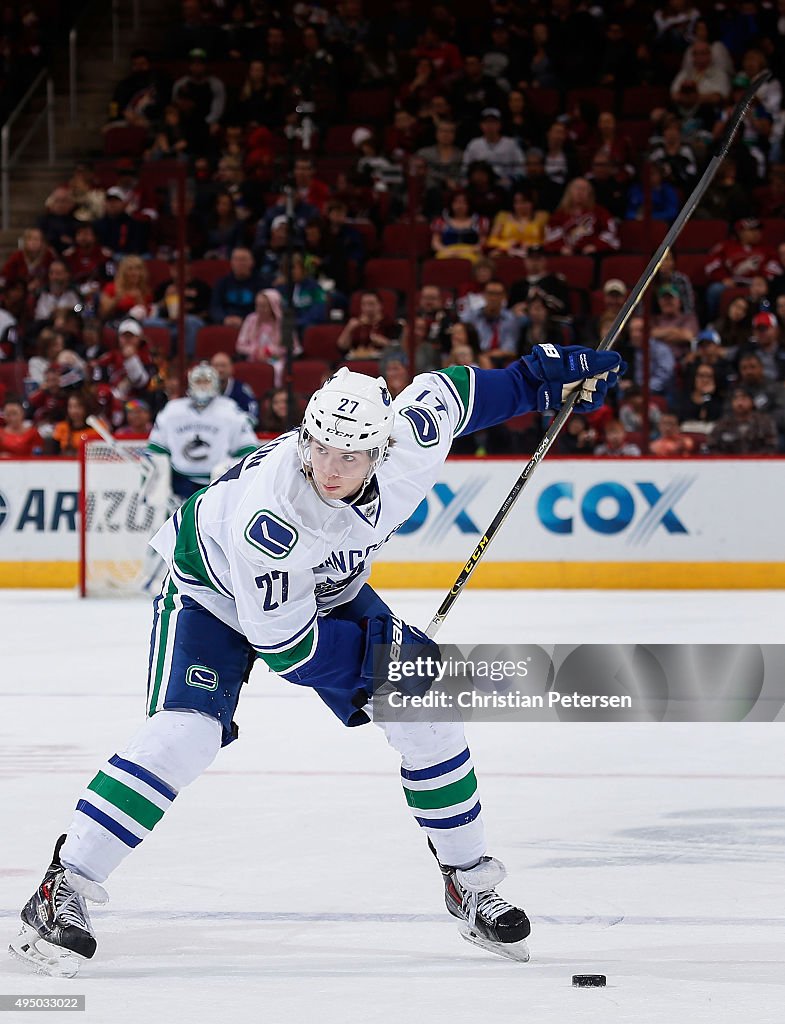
(125, 497)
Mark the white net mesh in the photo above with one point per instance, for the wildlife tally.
(127, 498)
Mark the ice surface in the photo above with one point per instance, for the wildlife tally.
(290, 884)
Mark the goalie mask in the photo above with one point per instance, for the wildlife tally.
(203, 385)
(352, 412)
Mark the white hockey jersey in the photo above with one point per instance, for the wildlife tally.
(199, 439)
(261, 551)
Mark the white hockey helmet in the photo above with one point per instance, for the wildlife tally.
(203, 384)
(352, 412)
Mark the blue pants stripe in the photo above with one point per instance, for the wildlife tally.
(142, 773)
(454, 822)
(108, 823)
(417, 774)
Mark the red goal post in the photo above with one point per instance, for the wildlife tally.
(124, 497)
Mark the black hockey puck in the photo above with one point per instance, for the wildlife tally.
(589, 980)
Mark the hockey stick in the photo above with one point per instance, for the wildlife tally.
(607, 342)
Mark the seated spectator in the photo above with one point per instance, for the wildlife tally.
(139, 98)
(239, 392)
(770, 200)
(578, 437)
(138, 419)
(708, 349)
(49, 346)
(699, 403)
(514, 231)
(471, 90)
(672, 325)
(538, 328)
(610, 187)
(464, 347)
(672, 444)
(675, 156)
(765, 341)
(735, 324)
(47, 402)
(58, 293)
(579, 226)
(261, 336)
(498, 327)
(757, 128)
(70, 434)
(170, 139)
(720, 56)
(129, 294)
(662, 362)
(30, 262)
(472, 293)
(767, 395)
(737, 260)
(117, 231)
(485, 195)
(261, 99)
(201, 98)
(309, 301)
(631, 411)
(614, 295)
(58, 224)
(501, 58)
(726, 198)
(275, 417)
(664, 198)
(371, 334)
(459, 233)
(519, 122)
(744, 431)
(165, 313)
(17, 437)
(539, 72)
(223, 229)
(699, 91)
(615, 444)
(443, 167)
(425, 84)
(309, 189)
(88, 262)
(547, 193)
(668, 274)
(561, 161)
(537, 280)
(502, 153)
(130, 369)
(234, 295)
(617, 149)
(396, 373)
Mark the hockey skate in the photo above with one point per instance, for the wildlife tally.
(56, 930)
(486, 920)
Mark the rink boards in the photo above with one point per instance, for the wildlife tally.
(613, 523)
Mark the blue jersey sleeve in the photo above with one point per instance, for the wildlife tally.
(489, 397)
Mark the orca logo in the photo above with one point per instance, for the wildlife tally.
(452, 513)
(270, 534)
(385, 396)
(3, 508)
(610, 508)
(197, 450)
(202, 677)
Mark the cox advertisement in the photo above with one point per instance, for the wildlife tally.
(615, 523)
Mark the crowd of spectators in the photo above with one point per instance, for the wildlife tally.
(413, 186)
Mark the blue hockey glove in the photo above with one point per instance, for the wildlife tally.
(399, 654)
(564, 369)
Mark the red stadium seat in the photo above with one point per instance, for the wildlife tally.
(109, 337)
(215, 338)
(509, 269)
(339, 139)
(209, 271)
(729, 294)
(369, 366)
(160, 339)
(701, 235)
(308, 374)
(258, 377)
(642, 238)
(577, 270)
(399, 274)
(545, 102)
(693, 264)
(369, 105)
(125, 140)
(446, 273)
(626, 268)
(599, 95)
(401, 239)
(640, 100)
(158, 271)
(773, 233)
(12, 378)
(319, 341)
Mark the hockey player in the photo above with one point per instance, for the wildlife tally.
(270, 562)
(200, 432)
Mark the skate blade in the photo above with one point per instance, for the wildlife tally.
(41, 956)
(517, 951)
